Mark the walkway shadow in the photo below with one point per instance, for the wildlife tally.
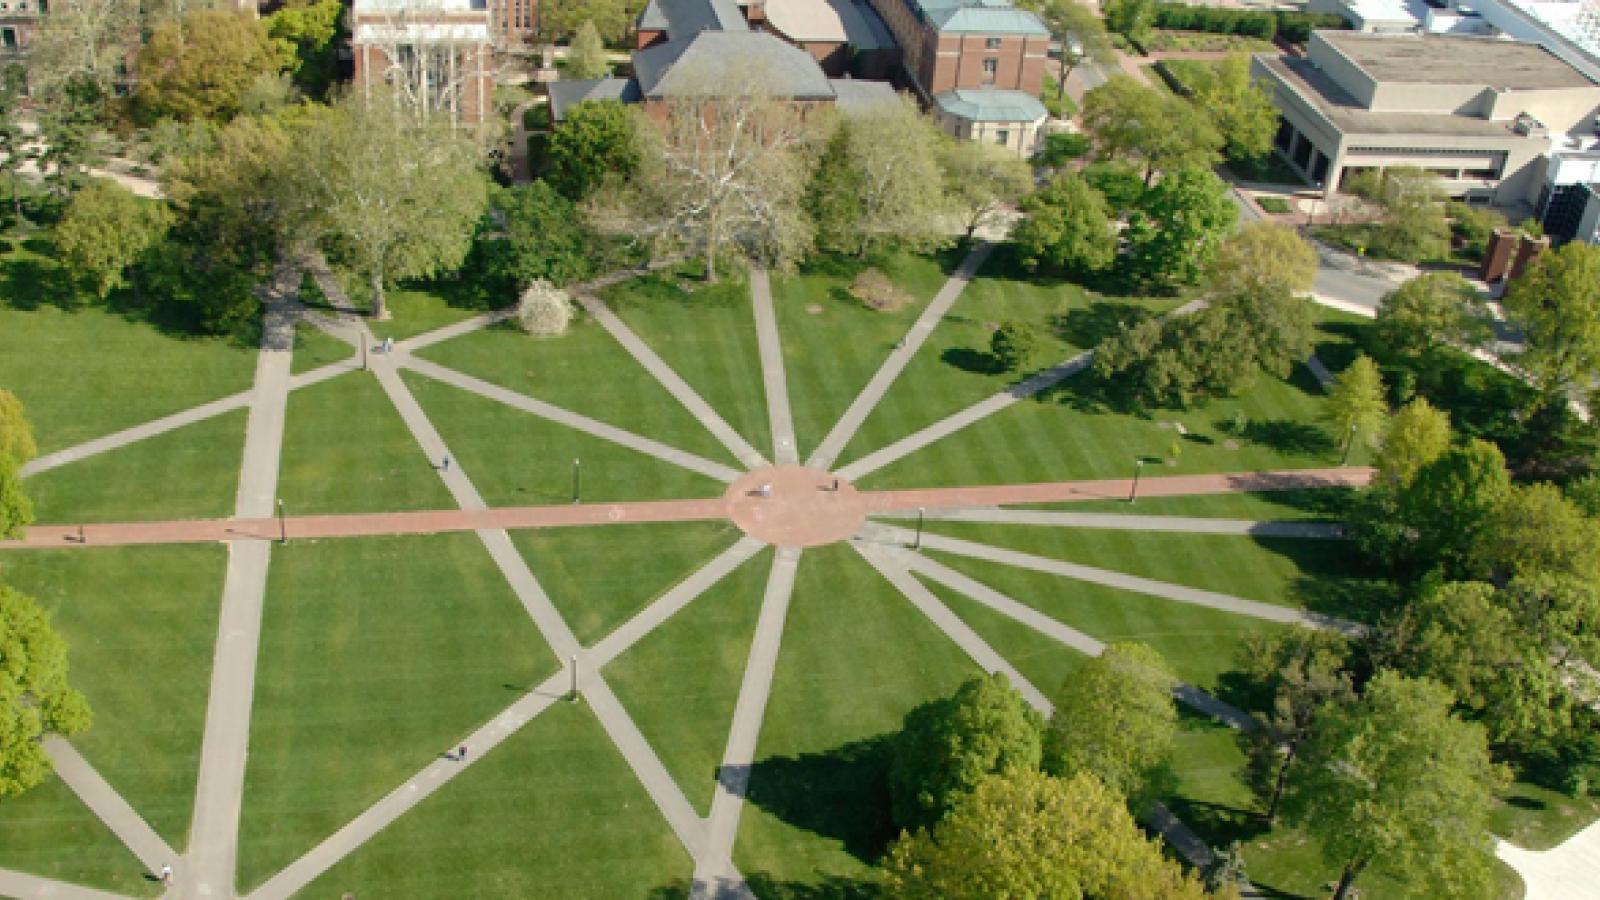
(841, 794)
(767, 887)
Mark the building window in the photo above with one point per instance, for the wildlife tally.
(1002, 137)
(8, 38)
(990, 67)
(1481, 174)
(991, 43)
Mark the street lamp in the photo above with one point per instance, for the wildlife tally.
(283, 527)
(572, 695)
(1349, 441)
(1138, 467)
(916, 543)
(577, 480)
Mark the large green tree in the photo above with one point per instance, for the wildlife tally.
(587, 56)
(105, 230)
(890, 158)
(394, 198)
(35, 699)
(69, 128)
(948, 746)
(1027, 834)
(1430, 312)
(16, 448)
(531, 233)
(1302, 670)
(201, 66)
(1536, 530)
(14, 150)
(1163, 131)
(1356, 404)
(306, 34)
(1557, 303)
(1416, 435)
(1175, 232)
(594, 145)
(1079, 30)
(1262, 258)
(1395, 783)
(1442, 513)
(558, 19)
(1240, 107)
(1115, 719)
(981, 180)
(1068, 228)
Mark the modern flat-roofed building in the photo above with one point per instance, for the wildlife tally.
(1482, 113)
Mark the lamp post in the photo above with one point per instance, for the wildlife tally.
(916, 542)
(1138, 467)
(283, 527)
(363, 350)
(572, 695)
(1349, 441)
(577, 480)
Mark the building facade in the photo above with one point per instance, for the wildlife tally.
(440, 57)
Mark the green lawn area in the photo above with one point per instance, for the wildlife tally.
(552, 812)
(954, 368)
(681, 682)
(1202, 644)
(708, 336)
(832, 344)
(856, 658)
(1066, 436)
(416, 310)
(377, 654)
(315, 348)
(50, 833)
(1538, 818)
(1320, 575)
(1312, 504)
(88, 371)
(346, 450)
(188, 473)
(599, 577)
(585, 371)
(1043, 660)
(518, 459)
(128, 612)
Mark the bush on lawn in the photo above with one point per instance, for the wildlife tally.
(544, 310)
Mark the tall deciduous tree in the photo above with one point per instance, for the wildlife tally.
(587, 55)
(1396, 783)
(1447, 505)
(981, 180)
(1356, 404)
(559, 19)
(1303, 670)
(201, 66)
(1537, 531)
(69, 127)
(84, 39)
(1115, 719)
(948, 746)
(1431, 311)
(16, 448)
(306, 34)
(394, 198)
(13, 140)
(890, 160)
(531, 234)
(1178, 226)
(595, 145)
(1262, 258)
(1068, 228)
(1027, 834)
(1164, 131)
(1417, 435)
(106, 229)
(1080, 31)
(1557, 302)
(35, 699)
(1240, 107)
(16, 433)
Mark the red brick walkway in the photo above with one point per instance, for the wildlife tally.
(803, 528)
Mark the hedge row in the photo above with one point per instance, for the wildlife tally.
(1295, 27)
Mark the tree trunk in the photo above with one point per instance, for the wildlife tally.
(1347, 878)
(16, 198)
(1278, 784)
(380, 305)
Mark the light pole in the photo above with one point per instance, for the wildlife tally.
(363, 350)
(916, 542)
(1138, 467)
(572, 695)
(283, 527)
(1349, 441)
(577, 480)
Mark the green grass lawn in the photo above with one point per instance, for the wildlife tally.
(1314, 504)
(681, 682)
(518, 459)
(141, 624)
(346, 449)
(708, 336)
(377, 654)
(832, 344)
(49, 832)
(600, 577)
(1538, 818)
(1065, 436)
(552, 812)
(416, 310)
(188, 473)
(856, 658)
(955, 369)
(1043, 660)
(585, 371)
(1202, 644)
(88, 371)
(1320, 575)
(315, 348)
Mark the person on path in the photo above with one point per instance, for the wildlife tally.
(166, 874)
(388, 345)
(445, 463)
(461, 754)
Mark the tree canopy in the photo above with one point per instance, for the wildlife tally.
(595, 145)
(879, 183)
(106, 229)
(1240, 107)
(1262, 258)
(1164, 131)
(35, 699)
(531, 233)
(1068, 228)
(1115, 719)
(1302, 670)
(1557, 302)
(981, 180)
(305, 33)
(587, 56)
(1356, 404)
(1176, 229)
(1416, 435)
(1431, 311)
(200, 67)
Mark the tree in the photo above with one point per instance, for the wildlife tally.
(1015, 345)
(981, 180)
(306, 33)
(1535, 530)
(1414, 226)
(1262, 258)
(1115, 719)
(1395, 782)
(16, 434)
(396, 199)
(1303, 670)
(69, 123)
(596, 144)
(1164, 131)
(106, 229)
(948, 746)
(16, 448)
(14, 149)
(1078, 29)
(531, 233)
(1133, 18)
(587, 56)
(1027, 834)
(562, 18)
(1175, 232)
(1447, 505)
(35, 699)
(724, 173)
(1241, 109)
(200, 67)
(890, 159)
(1431, 311)
(1068, 228)
(85, 40)
(1356, 403)
(1557, 303)
(1416, 435)
(239, 199)
(544, 310)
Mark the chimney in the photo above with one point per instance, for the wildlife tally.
(1527, 252)
(1497, 256)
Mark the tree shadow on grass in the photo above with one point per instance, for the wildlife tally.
(841, 794)
(978, 362)
(767, 887)
(1289, 436)
(27, 284)
(1088, 326)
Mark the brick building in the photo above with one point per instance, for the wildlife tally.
(439, 55)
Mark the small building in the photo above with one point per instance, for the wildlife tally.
(439, 55)
(19, 22)
(1483, 114)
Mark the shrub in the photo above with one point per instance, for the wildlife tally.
(544, 310)
(1063, 147)
(1015, 346)
(876, 291)
(1274, 205)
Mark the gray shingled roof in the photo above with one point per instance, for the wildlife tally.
(682, 67)
(856, 97)
(566, 94)
(980, 17)
(686, 18)
(990, 105)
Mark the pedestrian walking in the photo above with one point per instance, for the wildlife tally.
(445, 463)
(461, 754)
(166, 874)
(388, 345)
